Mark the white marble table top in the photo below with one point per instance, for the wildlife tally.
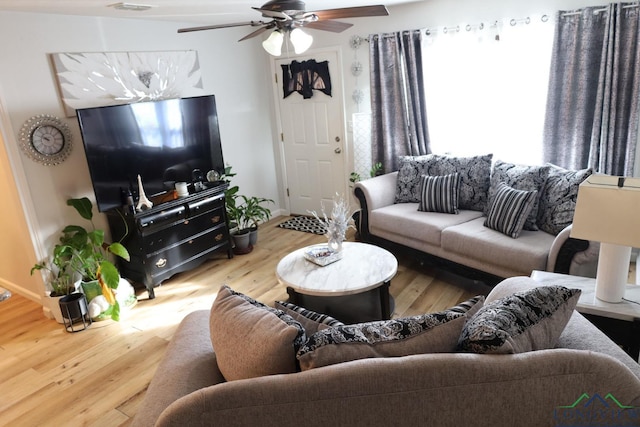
(628, 309)
(362, 267)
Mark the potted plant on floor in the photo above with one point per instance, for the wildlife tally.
(255, 214)
(246, 213)
(87, 254)
(59, 281)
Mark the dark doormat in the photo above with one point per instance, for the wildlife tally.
(308, 224)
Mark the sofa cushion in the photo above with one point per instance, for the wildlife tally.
(519, 177)
(439, 193)
(404, 219)
(475, 175)
(408, 180)
(509, 210)
(473, 240)
(427, 333)
(311, 321)
(251, 339)
(524, 321)
(558, 198)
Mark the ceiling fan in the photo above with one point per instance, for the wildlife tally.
(289, 16)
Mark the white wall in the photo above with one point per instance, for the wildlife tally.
(234, 72)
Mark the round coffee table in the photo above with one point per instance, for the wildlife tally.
(352, 289)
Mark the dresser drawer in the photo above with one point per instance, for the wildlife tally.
(172, 257)
(183, 230)
(159, 220)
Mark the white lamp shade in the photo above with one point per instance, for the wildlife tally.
(273, 44)
(300, 40)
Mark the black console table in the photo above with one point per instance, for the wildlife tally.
(172, 237)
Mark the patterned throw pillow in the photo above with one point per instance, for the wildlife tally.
(427, 333)
(524, 321)
(408, 181)
(558, 198)
(509, 210)
(251, 339)
(311, 320)
(439, 193)
(475, 174)
(519, 177)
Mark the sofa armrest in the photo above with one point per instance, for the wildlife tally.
(430, 389)
(374, 193)
(189, 364)
(572, 256)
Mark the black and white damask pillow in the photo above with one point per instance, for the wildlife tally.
(408, 181)
(439, 193)
(521, 322)
(475, 178)
(519, 177)
(558, 198)
(509, 210)
(427, 333)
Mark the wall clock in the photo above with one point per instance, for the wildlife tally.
(46, 139)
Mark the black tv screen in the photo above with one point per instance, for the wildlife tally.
(162, 141)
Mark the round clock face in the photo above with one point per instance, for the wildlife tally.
(46, 139)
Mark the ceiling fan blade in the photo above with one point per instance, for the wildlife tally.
(213, 27)
(351, 12)
(329, 25)
(256, 32)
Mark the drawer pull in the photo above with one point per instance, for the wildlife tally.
(219, 237)
(161, 263)
(215, 219)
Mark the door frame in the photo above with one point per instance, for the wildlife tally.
(337, 85)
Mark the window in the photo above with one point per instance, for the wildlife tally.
(486, 89)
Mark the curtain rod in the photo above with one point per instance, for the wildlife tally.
(598, 11)
(513, 22)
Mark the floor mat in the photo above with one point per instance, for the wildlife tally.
(308, 224)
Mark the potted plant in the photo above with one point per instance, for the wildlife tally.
(60, 282)
(256, 213)
(87, 254)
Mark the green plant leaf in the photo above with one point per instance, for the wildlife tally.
(109, 274)
(115, 311)
(83, 206)
(96, 237)
(119, 250)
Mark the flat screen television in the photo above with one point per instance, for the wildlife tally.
(162, 141)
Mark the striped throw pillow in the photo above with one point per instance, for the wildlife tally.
(509, 210)
(439, 193)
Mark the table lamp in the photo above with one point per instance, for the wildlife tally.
(608, 211)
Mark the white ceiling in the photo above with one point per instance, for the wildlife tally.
(188, 11)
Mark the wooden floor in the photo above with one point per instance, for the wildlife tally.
(98, 377)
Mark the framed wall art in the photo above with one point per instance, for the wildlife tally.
(109, 78)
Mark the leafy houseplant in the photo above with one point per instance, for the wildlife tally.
(246, 213)
(86, 253)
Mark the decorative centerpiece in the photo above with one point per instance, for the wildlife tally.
(338, 224)
(321, 255)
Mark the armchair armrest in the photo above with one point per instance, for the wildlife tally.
(572, 256)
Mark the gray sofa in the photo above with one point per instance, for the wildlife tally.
(461, 243)
(535, 388)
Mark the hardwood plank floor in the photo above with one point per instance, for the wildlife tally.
(98, 377)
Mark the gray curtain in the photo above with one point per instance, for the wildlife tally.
(594, 90)
(399, 114)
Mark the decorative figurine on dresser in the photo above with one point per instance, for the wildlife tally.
(145, 161)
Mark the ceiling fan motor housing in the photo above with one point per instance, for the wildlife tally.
(285, 6)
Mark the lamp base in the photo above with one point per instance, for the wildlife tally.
(613, 272)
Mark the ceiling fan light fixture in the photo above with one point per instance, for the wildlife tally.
(273, 44)
(300, 40)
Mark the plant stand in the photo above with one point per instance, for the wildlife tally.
(75, 311)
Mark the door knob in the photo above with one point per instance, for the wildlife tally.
(338, 150)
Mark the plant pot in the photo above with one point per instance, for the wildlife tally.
(53, 304)
(75, 312)
(253, 235)
(241, 242)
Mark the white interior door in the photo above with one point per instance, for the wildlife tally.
(313, 141)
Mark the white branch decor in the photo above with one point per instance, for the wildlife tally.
(338, 224)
